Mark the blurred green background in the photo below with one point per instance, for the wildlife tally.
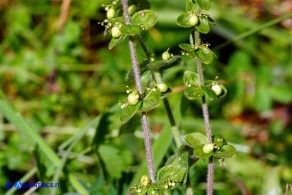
(58, 73)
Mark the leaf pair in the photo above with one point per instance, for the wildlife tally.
(195, 90)
(221, 149)
(141, 20)
(202, 52)
(148, 103)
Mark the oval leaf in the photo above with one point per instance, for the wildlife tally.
(209, 93)
(131, 29)
(146, 19)
(191, 78)
(226, 151)
(198, 151)
(204, 4)
(196, 140)
(183, 21)
(192, 7)
(116, 41)
(187, 47)
(219, 141)
(175, 171)
(165, 64)
(193, 93)
(203, 26)
(129, 111)
(151, 100)
(204, 54)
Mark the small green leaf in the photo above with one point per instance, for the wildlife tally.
(203, 26)
(204, 4)
(129, 111)
(193, 93)
(176, 170)
(131, 29)
(219, 141)
(226, 151)
(198, 151)
(183, 20)
(116, 41)
(205, 54)
(196, 140)
(187, 47)
(191, 78)
(151, 100)
(209, 93)
(146, 19)
(165, 64)
(191, 7)
(171, 62)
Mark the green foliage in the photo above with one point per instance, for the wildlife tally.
(146, 19)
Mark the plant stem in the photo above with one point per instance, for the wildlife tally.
(201, 78)
(205, 115)
(145, 124)
(157, 76)
(254, 30)
(174, 129)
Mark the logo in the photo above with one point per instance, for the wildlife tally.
(18, 185)
(8, 185)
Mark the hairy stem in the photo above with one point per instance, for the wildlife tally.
(145, 124)
(157, 76)
(205, 115)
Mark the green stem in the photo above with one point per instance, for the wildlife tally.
(174, 129)
(254, 30)
(157, 77)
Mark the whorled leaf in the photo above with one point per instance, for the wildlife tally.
(203, 26)
(205, 54)
(195, 139)
(129, 111)
(204, 4)
(151, 100)
(226, 151)
(146, 19)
